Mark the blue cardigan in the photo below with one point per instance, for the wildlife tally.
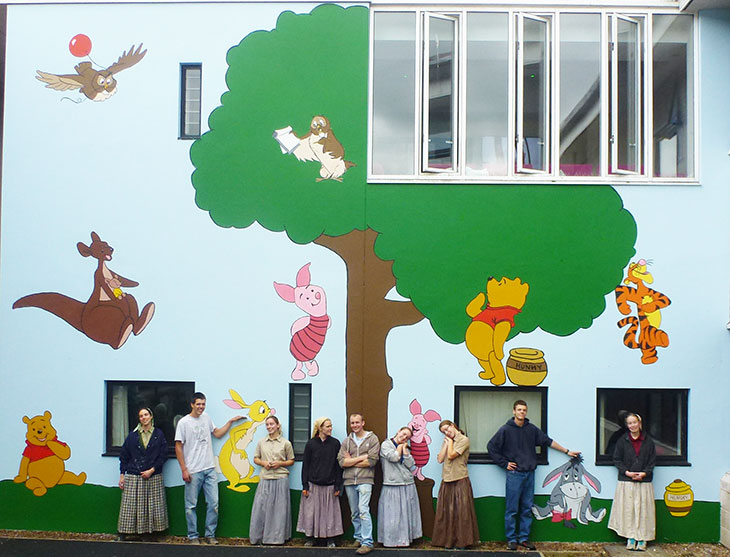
(135, 459)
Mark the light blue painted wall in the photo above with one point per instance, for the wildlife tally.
(118, 168)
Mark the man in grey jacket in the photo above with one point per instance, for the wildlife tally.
(358, 456)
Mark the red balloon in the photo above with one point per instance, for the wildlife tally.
(80, 45)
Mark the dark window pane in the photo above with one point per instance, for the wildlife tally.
(664, 417)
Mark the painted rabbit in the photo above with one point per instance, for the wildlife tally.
(421, 439)
(233, 458)
(307, 332)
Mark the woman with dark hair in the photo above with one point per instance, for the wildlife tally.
(633, 515)
(399, 515)
(144, 506)
(271, 512)
(455, 525)
(319, 509)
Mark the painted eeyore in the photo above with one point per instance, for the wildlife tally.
(570, 498)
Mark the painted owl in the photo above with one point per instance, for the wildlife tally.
(97, 85)
(320, 144)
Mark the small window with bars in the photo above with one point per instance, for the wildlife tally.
(300, 416)
(190, 95)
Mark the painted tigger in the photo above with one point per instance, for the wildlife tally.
(648, 303)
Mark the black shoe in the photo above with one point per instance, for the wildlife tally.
(512, 546)
(528, 545)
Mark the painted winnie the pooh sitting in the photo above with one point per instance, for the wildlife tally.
(42, 465)
(490, 327)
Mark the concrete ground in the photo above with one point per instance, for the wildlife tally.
(27, 546)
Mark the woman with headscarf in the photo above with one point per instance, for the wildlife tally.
(633, 515)
(399, 514)
(271, 512)
(319, 510)
(144, 506)
(455, 525)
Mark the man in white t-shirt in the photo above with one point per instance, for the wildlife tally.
(194, 451)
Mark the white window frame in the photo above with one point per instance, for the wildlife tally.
(516, 173)
(519, 99)
(639, 96)
(426, 99)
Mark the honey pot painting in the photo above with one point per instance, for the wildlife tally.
(526, 366)
(678, 497)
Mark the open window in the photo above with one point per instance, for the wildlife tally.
(626, 63)
(490, 95)
(534, 78)
(440, 91)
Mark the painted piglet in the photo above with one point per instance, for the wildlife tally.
(420, 439)
(308, 332)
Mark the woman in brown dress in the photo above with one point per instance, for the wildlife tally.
(455, 525)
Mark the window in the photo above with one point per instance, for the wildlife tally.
(168, 400)
(664, 417)
(481, 411)
(533, 93)
(546, 96)
(190, 96)
(300, 416)
(673, 71)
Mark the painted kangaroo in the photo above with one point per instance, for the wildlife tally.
(648, 303)
(110, 315)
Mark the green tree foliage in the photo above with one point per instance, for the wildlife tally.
(570, 243)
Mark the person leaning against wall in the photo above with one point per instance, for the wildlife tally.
(455, 525)
(194, 451)
(513, 448)
(399, 514)
(633, 514)
(358, 456)
(144, 506)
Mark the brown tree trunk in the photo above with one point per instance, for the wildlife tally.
(369, 319)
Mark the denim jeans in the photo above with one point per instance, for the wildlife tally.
(519, 494)
(359, 498)
(208, 481)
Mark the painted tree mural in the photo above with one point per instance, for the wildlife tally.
(438, 244)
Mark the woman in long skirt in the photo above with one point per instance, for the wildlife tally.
(271, 512)
(633, 514)
(319, 510)
(455, 525)
(144, 507)
(399, 515)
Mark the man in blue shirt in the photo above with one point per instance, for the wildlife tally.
(513, 448)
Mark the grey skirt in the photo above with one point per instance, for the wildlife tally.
(399, 515)
(319, 513)
(633, 512)
(271, 512)
(144, 507)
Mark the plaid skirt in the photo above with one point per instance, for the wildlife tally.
(144, 507)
